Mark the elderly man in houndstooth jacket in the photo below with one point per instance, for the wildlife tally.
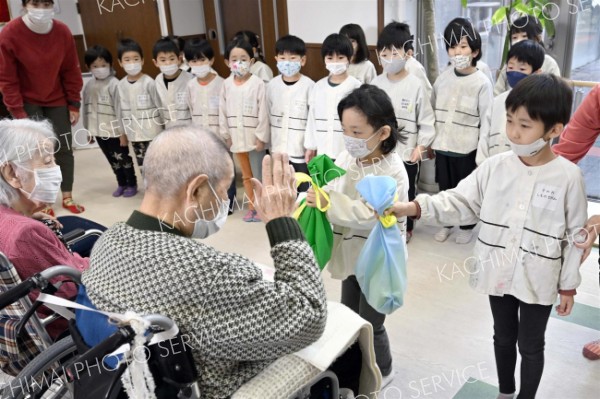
(149, 264)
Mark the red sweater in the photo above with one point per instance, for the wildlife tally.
(33, 247)
(583, 129)
(38, 69)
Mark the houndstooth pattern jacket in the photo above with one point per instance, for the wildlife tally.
(236, 323)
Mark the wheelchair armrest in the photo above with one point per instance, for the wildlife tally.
(73, 234)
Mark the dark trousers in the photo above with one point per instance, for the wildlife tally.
(232, 191)
(140, 148)
(301, 168)
(353, 297)
(63, 150)
(449, 171)
(119, 160)
(525, 324)
(412, 170)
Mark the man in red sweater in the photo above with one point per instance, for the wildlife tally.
(40, 78)
(575, 141)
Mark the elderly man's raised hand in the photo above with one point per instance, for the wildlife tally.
(275, 197)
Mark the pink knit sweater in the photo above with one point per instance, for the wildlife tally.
(33, 247)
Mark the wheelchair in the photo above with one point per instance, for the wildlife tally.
(70, 369)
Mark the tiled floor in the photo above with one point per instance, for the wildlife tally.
(441, 337)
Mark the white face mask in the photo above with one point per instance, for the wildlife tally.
(393, 66)
(204, 228)
(169, 70)
(461, 61)
(358, 148)
(528, 150)
(47, 185)
(101, 73)
(289, 68)
(133, 68)
(41, 16)
(336, 68)
(201, 71)
(239, 68)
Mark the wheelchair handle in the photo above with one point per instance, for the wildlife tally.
(159, 320)
(61, 270)
(14, 294)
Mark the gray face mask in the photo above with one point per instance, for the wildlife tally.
(204, 228)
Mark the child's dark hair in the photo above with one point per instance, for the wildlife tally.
(290, 44)
(251, 38)
(126, 45)
(459, 28)
(198, 49)
(165, 45)
(530, 25)
(546, 98)
(95, 52)
(395, 34)
(239, 43)
(377, 106)
(24, 2)
(529, 52)
(355, 32)
(337, 44)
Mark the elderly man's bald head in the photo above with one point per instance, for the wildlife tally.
(179, 154)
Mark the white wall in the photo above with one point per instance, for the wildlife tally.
(187, 17)
(314, 20)
(67, 13)
(401, 11)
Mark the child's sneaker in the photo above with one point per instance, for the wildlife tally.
(48, 211)
(592, 350)
(409, 235)
(130, 192)
(249, 216)
(443, 234)
(464, 236)
(119, 191)
(255, 217)
(71, 206)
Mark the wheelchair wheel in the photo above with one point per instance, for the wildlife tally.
(44, 377)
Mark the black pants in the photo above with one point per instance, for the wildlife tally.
(412, 170)
(119, 160)
(63, 143)
(140, 148)
(353, 297)
(449, 171)
(525, 324)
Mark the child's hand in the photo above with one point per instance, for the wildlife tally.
(401, 209)
(591, 234)
(309, 154)
(259, 145)
(417, 154)
(123, 140)
(311, 199)
(566, 305)
(229, 143)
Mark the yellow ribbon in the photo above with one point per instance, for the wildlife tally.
(304, 178)
(389, 220)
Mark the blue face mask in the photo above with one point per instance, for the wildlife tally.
(289, 68)
(515, 77)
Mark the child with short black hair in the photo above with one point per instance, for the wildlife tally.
(138, 105)
(244, 117)
(98, 114)
(324, 132)
(411, 104)
(524, 59)
(531, 204)
(171, 82)
(360, 67)
(461, 98)
(526, 27)
(203, 92)
(259, 68)
(370, 137)
(287, 98)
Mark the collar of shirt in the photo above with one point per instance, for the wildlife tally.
(141, 221)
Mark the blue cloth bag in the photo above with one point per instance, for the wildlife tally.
(381, 265)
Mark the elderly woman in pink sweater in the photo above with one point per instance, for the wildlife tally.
(29, 181)
(576, 140)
